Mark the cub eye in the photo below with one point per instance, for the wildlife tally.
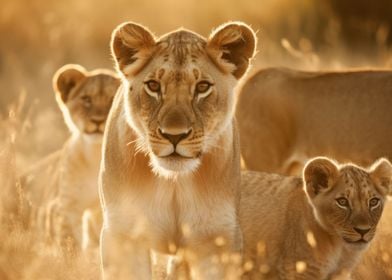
(153, 86)
(374, 202)
(342, 202)
(202, 87)
(86, 101)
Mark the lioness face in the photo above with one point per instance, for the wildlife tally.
(180, 94)
(348, 201)
(85, 98)
(178, 106)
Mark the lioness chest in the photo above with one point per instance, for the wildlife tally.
(170, 215)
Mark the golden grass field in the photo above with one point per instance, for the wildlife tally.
(38, 37)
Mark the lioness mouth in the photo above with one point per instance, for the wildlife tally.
(175, 155)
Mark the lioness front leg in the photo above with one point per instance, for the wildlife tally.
(123, 257)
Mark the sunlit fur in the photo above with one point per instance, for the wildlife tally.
(287, 116)
(62, 186)
(287, 221)
(171, 157)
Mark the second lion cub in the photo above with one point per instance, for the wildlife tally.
(63, 186)
(315, 228)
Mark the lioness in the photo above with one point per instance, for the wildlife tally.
(170, 171)
(63, 185)
(315, 228)
(286, 117)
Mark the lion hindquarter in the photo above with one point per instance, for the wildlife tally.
(286, 117)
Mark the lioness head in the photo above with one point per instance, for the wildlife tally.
(179, 88)
(85, 97)
(348, 200)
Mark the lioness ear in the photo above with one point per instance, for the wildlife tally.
(319, 175)
(232, 46)
(132, 45)
(66, 78)
(381, 173)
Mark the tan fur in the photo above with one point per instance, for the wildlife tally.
(63, 185)
(286, 117)
(375, 263)
(295, 229)
(170, 170)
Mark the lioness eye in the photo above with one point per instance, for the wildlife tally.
(374, 202)
(154, 86)
(202, 87)
(342, 201)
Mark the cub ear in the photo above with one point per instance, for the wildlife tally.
(132, 45)
(319, 175)
(381, 173)
(231, 46)
(66, 78)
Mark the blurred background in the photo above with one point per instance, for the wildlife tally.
(39, 36)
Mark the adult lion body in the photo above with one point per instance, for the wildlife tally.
(63, 185)
(315, 228)
(286, 117)
(170, 170)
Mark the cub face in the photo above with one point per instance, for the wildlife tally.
(348, 200)
(179, 89)
(85, 98)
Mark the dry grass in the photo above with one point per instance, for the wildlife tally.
(24, 254)
(40, 36)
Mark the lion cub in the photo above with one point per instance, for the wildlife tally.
(63, 185)
(315, 228)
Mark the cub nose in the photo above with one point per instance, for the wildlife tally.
(174, 136)
(362, 231)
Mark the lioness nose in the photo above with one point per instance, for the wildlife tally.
(362, 231)
(176, 136)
